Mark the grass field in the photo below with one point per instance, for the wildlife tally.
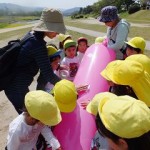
(134, 31)
(139, 17)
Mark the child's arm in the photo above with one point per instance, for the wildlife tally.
(50, 138)
(84, 104)
(13, 141)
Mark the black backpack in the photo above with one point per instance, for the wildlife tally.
(8, 59)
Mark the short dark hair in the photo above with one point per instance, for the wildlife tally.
(139, 143)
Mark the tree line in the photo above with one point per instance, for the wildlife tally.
(129, 6)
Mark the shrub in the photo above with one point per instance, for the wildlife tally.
(134, 8)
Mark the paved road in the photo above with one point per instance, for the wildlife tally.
(84, 31)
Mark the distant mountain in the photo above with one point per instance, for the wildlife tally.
(15, 9)
(9, 8)
(71, 11)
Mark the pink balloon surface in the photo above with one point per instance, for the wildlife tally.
(77, 128)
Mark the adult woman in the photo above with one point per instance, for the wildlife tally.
(34, 57)
(117, 31)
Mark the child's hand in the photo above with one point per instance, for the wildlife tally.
(59, 148)
(82, 88)
(63, 67)
(84, 104)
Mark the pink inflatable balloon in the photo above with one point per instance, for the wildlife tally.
(77, 129)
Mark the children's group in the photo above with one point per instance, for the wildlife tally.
(122, 113)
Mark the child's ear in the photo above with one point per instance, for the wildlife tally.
(123, 144)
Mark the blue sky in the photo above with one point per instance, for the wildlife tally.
(52, 3)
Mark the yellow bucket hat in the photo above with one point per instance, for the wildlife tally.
(137, 42)
(107, 73)
(92, 107)
(142, 59)
(65, 95)
(127, 72)
(125, 116)
(62, 37)
(123, 71)
(69, 43)
(52, 51)
(42, 106)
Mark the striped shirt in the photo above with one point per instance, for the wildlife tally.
(32, 58)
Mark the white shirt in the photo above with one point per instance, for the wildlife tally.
(80, 55)
(73, 65)
(24, 137)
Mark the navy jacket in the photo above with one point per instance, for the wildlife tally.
(32, 58)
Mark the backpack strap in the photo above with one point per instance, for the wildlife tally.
(26, 37)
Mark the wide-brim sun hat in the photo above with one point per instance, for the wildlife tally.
(65, 95)
(51, 21)
(142, 59)
(124, 116)
(69, 43)
(137, 42)
(108, 14)
(62, 37)
(42, 106)
(92, 107)
(53, 52)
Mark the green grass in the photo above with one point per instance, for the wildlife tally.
(12, 21)
(75, 36)
(134, 31)
(19, 33)
(142, 16)
(7, 25)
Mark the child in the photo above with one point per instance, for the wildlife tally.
(65, 94)
(62, 38)
(131, 73)
(82, 47)
(98, 142)
(40, 110)
(124, 122)
(54, 56)
(142, 59)
(135, 46)
(71, 61)
(99, 39)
